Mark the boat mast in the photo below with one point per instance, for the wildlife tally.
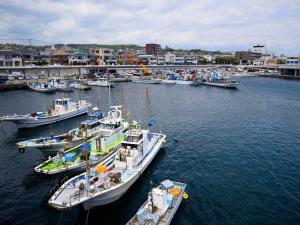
(147, 106)
(109, 96)
(87, 164)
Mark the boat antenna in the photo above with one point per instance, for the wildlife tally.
(122, 102)
(98, 99)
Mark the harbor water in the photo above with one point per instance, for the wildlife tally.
(238, 151)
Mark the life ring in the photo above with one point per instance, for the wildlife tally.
(185, 196)
(21, 150)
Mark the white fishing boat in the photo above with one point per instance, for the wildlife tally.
(162, 204)
(59, 85)
(110, 181)
(102, 82)
(99, 148)
(49, 145)
(62, 109)
(41, 87)
(217, 79)
(221, 83)
(80, 86)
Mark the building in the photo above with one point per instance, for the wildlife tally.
(10, 58)
(160, 59)
(79, 58)
(60, 56)
(247, 57)
(153, 49)
(170, 58)
(190, 59)
(179, 59)
(259, 49)
(292, 60)
(30, 56)
(103, 56)
(131, 58)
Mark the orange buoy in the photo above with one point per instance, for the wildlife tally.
(101, 169)
(175, 192)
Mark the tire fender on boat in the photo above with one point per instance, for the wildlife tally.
(21, 150)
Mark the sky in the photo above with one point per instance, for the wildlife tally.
(224, 25)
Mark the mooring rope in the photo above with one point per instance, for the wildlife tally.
(87, 217)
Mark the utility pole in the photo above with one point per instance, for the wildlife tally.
(30, 51)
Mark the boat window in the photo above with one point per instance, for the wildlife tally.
(91, 126)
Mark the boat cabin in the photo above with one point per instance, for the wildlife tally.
(88, 127)
(133, 149)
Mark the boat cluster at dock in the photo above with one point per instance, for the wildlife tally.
(106, 153)
(210, 77)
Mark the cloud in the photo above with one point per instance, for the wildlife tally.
(210, 24)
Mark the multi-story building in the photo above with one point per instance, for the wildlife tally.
(152, 49)
(30, 56)
(160, 59)
(190, 59)
(103, 56)
(60, 56)
(247, 57)
(259, 49)
(10, 58)
(79, 58)
(179, 59)
(170, 58)
(292, 60)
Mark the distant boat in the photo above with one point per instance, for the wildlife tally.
(42, 87)
(59, 85)
(102, 82)
(162, 204)
(216, 79)
(80, 86)
(221, 83)
(61, 110)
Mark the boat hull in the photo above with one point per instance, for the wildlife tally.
(147, 81)
(168, 81)
(221, 85)
(36, 122)
(188, 82)
(99, 83)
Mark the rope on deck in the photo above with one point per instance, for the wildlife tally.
(87, 217)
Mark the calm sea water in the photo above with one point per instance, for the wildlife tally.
(237, 150)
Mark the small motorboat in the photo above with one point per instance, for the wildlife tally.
(102, 82)
(41, 87)
(162, 204)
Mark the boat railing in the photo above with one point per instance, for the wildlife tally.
(77, 195)
(57, 186)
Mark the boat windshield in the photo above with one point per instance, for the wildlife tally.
(133, 138)
(109, 126)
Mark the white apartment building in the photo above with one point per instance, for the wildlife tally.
(259, 49)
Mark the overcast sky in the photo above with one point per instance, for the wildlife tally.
(206, 24)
